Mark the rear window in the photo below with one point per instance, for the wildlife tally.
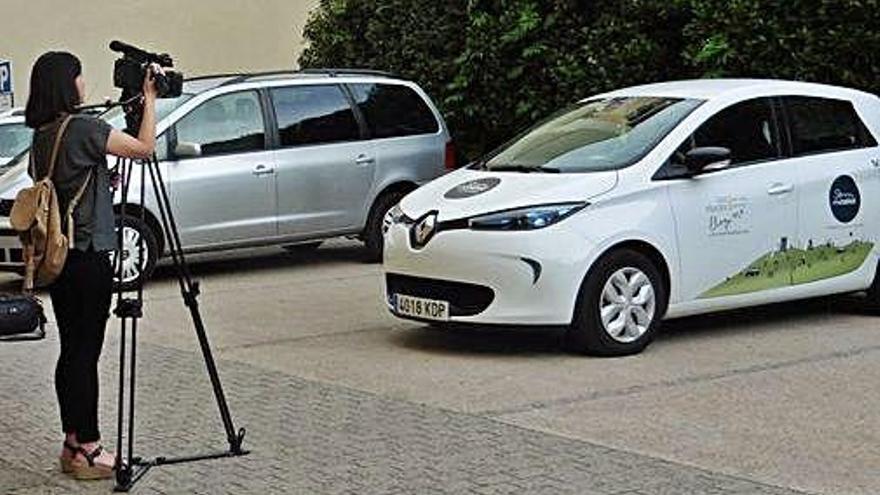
(314, 115)
(821, 125)
(392, 110)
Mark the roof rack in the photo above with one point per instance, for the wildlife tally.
(238, 77)
(336, 72)
(250, 75)
(213, 76)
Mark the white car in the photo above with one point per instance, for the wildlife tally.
(646, 203)
(15, 137)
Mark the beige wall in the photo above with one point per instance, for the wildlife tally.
(203, 36)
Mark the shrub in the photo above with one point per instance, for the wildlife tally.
(416, 39)
(524, 59)
(497, 66)
(828, 41)
(494, 67)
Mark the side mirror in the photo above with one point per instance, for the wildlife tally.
(706, 159)
(188, 150)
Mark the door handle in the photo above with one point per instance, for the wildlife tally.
(364, 160)
(263, 170)
(780, 188)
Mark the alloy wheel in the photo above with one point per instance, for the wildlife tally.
(627, 305)
(133, 260)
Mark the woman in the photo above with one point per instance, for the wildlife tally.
(81, 294)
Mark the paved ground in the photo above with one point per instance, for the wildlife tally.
(338, 397)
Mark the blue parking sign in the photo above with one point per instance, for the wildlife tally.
(5, 77)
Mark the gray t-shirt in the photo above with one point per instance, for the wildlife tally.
(83, 148)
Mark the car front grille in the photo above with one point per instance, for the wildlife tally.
(464, 299)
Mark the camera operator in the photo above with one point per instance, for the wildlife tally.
(81, 295)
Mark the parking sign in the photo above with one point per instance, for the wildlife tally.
(5, 77)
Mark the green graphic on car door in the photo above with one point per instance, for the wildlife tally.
(789, 265)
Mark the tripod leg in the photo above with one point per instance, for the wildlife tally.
(134, 322)
(123, 473)
(189, 290)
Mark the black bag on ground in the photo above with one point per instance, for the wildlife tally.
(21, 317)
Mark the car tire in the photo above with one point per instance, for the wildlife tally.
(871, 303)
(374, 238)
(304, 248)
(628, 289)
(134, 276)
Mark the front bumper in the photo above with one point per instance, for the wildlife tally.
(533, 276)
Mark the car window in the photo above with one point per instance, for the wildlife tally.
(164, 106)
(14, 139)
(823, 125)
(313, 115)
(393, 110)
(231, 123)
(597, 135)
(748, 129)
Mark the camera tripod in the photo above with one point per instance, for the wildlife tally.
(130, 310)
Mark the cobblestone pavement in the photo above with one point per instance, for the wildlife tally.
(309, 437)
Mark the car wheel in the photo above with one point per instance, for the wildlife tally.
(374, 237)
(872, 298)
(305, 248)
(619, 306)
(136, 267)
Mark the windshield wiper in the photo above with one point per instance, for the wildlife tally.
(526, 169)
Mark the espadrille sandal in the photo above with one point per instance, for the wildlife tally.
(90, 470)
(67, 462)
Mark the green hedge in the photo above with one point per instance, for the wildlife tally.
(829, 41)
(496, 66)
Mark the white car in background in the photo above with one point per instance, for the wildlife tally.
(646, 203)
(15, 137)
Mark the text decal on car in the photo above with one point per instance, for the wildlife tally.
(844, 199)
(472, 188)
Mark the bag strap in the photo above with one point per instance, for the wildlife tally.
(72, 206)
(32, 170)
(56, 146)
(29, 268)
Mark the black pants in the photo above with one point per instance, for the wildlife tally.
(81, 300)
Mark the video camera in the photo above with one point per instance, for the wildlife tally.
(130, 70)
(129, 73)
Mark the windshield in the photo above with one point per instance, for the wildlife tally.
(164, 106)
(14, 139)
(597, 135)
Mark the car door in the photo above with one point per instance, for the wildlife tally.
(325, 168)
(221, 175)
(736, 226)
(409, 145)
(839, 203)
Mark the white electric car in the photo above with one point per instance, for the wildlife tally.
(646, 203)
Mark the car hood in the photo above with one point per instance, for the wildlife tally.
(14, 179)
(467, 192)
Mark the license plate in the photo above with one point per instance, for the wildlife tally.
(417, 307)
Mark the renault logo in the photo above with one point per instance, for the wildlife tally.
(424, 229)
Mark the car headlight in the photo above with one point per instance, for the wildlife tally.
(394, 216)
(531, 218)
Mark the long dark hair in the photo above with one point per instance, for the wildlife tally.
(53, 88)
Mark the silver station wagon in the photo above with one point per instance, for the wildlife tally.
(281, 158)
